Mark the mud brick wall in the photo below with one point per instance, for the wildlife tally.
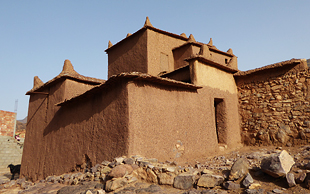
(7, 121)
(276, 111)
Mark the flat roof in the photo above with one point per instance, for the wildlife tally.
(67, 75)
(269, 67)
(131, 76)
(212, 48)
(213, 63)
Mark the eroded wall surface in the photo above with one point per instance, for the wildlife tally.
(129, 55)
(7, 122)
(74, 88)
(275, 110)
(223, 97)
(159, 52)
(74, 136)
(207, 75)
(176, 125)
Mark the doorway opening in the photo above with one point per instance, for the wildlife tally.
(220, 120)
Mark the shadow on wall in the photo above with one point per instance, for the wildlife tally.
(76, 112)
(39, 107)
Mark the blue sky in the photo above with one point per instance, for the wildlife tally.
(37, 36)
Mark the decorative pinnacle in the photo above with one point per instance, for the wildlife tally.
(183, 35)
(110, 44)
(68, 67)
(37, 82)
(210, 42)
(129, 34)
(191, 38)
(147, 22)
(230, 51)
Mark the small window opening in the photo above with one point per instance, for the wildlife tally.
(220, 120)
(164, 62)
(226, 61)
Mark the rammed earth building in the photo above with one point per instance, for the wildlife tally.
(167, 97)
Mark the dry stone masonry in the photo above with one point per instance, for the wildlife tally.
(276, 111)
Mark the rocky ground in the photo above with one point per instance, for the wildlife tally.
(239, 171)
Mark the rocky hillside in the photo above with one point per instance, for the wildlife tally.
(21, 127)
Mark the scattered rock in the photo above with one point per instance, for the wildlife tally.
(239, 169)
(290, 179)
(105, 170)
(301, 178)
(230, 185)
(78, 188)
(165, 178)
(183, 181)
(119, 160)
(206, 171)
(248, 180)
(185, 178)
(254, 191)
(101, 191)
(150, 189)
(210, 181)
(278, 164)
(307, 181)
(120, 171)
(129, 161)
(114, 184)
(254, 186)
(277, 191)
(151, 176)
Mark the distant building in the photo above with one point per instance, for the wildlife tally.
(7, 122)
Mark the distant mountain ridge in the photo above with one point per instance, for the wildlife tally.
(23, 120)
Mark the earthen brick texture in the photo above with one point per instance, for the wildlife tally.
(7, 121)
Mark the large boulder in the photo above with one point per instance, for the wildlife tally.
(278, 164)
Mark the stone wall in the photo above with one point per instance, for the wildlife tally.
(10, 152)
(276, 111)
(7, 121)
